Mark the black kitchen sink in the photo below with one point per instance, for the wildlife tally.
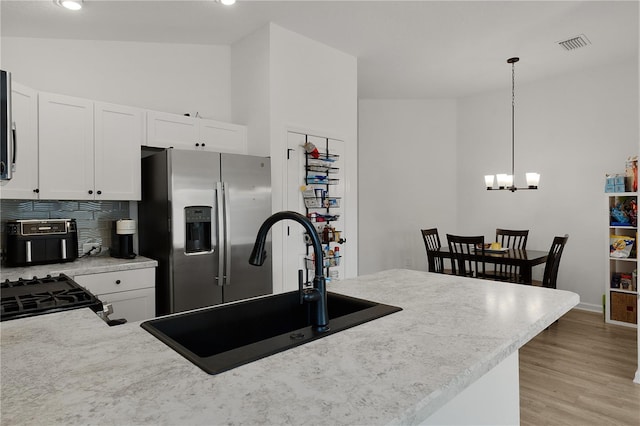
(223, 337)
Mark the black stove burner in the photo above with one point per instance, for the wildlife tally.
(36, 296)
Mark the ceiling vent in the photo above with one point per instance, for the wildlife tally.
(575, 42)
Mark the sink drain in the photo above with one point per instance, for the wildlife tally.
(296, 336)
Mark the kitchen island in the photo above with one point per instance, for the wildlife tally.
(452, 335)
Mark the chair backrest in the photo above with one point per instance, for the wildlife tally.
(553, 261)
(432, 244)
(513, 239)
(516, 239)
(461, 247)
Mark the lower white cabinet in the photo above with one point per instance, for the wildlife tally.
(131, 293)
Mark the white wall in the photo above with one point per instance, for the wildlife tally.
(177, 78)
(250, 85)
(305, 86)
(407, 179)
(315, 88)
(572, 129)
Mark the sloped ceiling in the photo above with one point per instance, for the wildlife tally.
(405, 49)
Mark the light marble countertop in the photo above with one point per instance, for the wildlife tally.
(71, 368)
(82, 266)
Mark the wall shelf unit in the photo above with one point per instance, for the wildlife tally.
(323, 208)
(621, 292)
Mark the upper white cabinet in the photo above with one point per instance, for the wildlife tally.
(166, 130)
(88, 150)
(66, 147)
(119, 132)
(24, 184)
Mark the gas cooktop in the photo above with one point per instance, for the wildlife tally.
(37, 296)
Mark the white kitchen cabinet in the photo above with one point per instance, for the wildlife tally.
(222, 137)
(24, 184)
(131, 293)
(165, 130)
(88, 150)
(65, 125)
(119, 132)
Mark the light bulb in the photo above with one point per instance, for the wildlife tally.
(502, 180)
(532, 179)
(488, 181)
(70, 4)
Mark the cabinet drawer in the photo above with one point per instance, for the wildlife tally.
(111, 282)
(623, 307)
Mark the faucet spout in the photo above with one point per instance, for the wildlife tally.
(319, 298)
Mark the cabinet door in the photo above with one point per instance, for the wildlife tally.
(131, 293)
(119, 132)
(65, 147)
(24, 184)
(134, 305)
(166, 130)
(222, 137)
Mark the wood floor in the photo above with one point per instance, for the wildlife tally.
(580, 372)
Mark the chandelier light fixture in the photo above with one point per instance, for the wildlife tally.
(505, 181)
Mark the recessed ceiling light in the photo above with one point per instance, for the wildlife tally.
(227, 2)
(70, 4)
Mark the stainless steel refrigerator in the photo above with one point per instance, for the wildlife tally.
(199, 216)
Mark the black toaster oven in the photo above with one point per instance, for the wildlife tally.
(36, 241)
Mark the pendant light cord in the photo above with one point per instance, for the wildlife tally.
(513, 110)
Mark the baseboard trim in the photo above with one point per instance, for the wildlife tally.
(589, 307)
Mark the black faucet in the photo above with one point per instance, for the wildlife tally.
(316, 295)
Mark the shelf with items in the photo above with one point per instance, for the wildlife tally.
(327, 262)
(323, 205)
(622, 263)
(321, 158)
(322, 202)
(327, 234)
(315, 217)
(624, 279)
(322, 168)
(320, 180)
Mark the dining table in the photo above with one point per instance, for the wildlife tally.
(524, 258)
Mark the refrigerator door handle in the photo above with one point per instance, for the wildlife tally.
(221, 232)
(227, 236)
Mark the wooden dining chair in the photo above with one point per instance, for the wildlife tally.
(513, 239)
(432, 244)
(552, 266)
(461, 247)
